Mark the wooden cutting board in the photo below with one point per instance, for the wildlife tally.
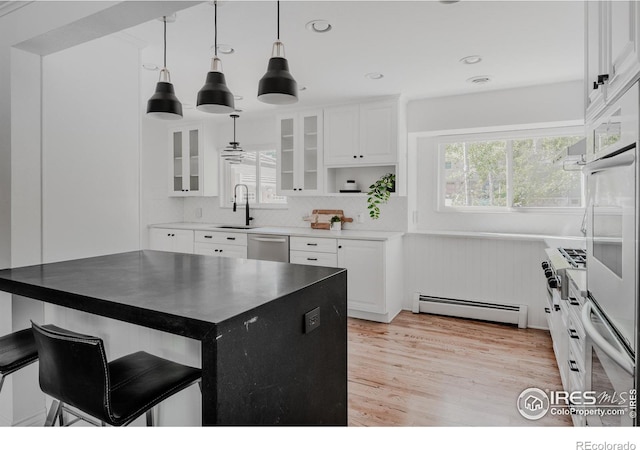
(321, 218)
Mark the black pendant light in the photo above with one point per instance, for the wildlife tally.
(215, 97)
(277, 86)
(164, 104)
(233, 153)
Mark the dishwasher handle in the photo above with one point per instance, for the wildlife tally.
(262, 239)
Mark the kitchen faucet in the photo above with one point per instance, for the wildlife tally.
(246, 209)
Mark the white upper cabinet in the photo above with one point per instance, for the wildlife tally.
(193, 162)
(342, 134)
(364, 134)
(612, 57)
(379, 132)
(300, 150)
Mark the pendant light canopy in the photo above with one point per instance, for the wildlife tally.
(233, 153)
(215, 97)
(277, 86)
(164, 104)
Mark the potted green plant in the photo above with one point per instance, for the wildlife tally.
(336, 223)
(379, 192)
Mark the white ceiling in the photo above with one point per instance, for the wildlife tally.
(417, 45)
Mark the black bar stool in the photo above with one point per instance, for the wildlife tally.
(75, 372)
(17, 350)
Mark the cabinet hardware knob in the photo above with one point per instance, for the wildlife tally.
(361, 156)
(354, 156)
(573, 334)
(216, 250)
(573, 366)
(208, 237)
(312, 244)
(595, 85)
(220, 251)
(339, 246)
(602, 79)
(231, 238)
(547, 310)
(312, 259)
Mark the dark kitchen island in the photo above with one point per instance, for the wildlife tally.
(265, 360)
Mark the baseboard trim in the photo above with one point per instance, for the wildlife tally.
(35, 420)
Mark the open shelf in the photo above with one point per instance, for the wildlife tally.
(363, 176)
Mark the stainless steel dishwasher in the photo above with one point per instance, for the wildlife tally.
(269, 247)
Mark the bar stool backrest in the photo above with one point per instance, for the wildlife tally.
(73, 369)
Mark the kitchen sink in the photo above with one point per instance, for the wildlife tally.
(235, 227)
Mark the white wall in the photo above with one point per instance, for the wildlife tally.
(91, 150)
(535, 104)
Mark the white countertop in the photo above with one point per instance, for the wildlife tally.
(290, 231)
(551, 241)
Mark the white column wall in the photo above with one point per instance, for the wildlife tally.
(91, 150)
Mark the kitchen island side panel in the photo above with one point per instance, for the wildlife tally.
(269, 371)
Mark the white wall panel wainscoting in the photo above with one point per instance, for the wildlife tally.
(485, 269)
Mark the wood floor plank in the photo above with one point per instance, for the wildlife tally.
(426, 370)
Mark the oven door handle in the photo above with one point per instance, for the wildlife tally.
(620, 160)
(621, 358)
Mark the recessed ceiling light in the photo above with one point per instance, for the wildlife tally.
(238, 97)
(318, 26)
(473, 59)
(150, 66)
(482, 79)
(374, 75)
(225, 49)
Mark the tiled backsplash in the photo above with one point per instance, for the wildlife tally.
(393, 215)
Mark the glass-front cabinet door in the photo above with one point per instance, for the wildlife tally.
(300, 145)
(186, 161)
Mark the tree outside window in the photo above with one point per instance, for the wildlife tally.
(503, 173)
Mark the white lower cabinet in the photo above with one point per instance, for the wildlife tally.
(170, 240)
(220, 243)
(374, 271)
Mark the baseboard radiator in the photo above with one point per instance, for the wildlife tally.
(494, 312)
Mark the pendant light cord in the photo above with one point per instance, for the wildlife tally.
(278, 19)
(164, 19)
(215, 28)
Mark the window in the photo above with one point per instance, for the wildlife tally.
(258, 171)
(518, 172)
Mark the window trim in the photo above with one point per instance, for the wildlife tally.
(496, 135)
(223, 175)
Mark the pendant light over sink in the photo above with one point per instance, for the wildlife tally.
(277, 86)
(215, 97)
(233, 153)
(164, 104)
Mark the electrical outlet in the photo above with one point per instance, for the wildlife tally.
(312, 320)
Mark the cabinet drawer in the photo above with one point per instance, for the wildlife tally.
(230, 251)
(218, 237)
(313, 258)
(322, 245)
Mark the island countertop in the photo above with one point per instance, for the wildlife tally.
(195, 290)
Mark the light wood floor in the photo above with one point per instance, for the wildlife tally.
(424, 370)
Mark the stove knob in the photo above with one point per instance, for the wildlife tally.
(553, 282)
(545, 265)
(548, 273)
